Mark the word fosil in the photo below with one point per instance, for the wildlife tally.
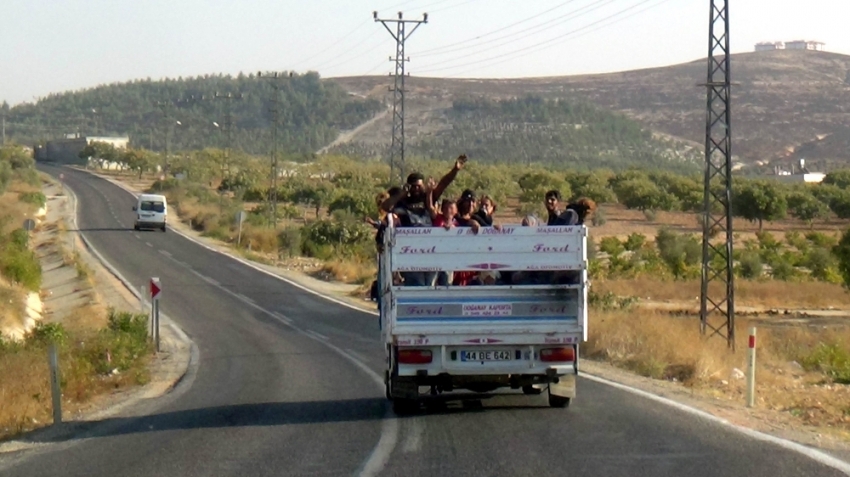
(410, 250)
(487, 309)
(542, 248)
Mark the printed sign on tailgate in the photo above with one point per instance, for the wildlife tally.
(547, 308)
(511, 248)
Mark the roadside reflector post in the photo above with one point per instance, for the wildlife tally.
(142, 299)
(55, 388)
(156, 291)
(751, 368)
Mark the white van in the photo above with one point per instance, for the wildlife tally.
(151, 212)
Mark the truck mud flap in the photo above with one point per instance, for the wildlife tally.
(565, 387)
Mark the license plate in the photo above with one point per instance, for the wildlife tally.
(485, 355)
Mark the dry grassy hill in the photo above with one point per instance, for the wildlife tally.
(786, 104)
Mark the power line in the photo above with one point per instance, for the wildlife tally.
(599, 27)
(344, 52)
(507, 27)
(545, 44)
(585, 10)
(321, 52)
(568, 16)
(400, 35)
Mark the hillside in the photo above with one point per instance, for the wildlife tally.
(786, 104)
(527, 130)
(312, 112)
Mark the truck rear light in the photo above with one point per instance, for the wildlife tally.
(557, 354)
(414, 356)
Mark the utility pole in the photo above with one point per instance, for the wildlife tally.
(274, 110)
(399, 35)
(228, 128)
(717, 257)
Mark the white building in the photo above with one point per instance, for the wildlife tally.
(770, 46)
(805, 45)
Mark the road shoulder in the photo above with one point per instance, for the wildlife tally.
(167, 367)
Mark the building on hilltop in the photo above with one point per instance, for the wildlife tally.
(791, 45)
(770, 46)
(805, 45)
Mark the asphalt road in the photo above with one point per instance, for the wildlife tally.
(270, 398)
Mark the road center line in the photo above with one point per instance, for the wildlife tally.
(389, 424)
(166, 253)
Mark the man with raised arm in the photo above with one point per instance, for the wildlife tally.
(411, 206)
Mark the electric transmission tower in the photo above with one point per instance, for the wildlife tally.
(228, 128)
(717, 305)
(400, 35)
(274, 111)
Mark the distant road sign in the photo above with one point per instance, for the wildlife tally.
(61, 176)
(29, 224)
(241, 216)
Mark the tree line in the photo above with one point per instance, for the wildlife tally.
(310, 113)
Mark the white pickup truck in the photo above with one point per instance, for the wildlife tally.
(523, 334)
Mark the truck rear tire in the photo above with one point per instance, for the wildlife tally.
(558, 401)
(403, 407)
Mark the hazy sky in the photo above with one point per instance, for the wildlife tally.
(57, 45)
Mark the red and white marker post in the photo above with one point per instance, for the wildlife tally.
(751, 368)
(156, 291)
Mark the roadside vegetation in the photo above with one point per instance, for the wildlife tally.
(94, 358)
(99, 349)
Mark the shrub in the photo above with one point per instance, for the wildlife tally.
(842, 252)
(634, 241)
(819, 261)
(21, 266)
(289, 241)
(46, 333)
(598, 218)
(680, 252)
(750, 266)
(832, 359)
(611, 246)
(35, 198)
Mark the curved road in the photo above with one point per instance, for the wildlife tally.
(286, 385)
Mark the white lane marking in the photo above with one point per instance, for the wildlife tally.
(166, 253)
(318, 336)
(389, 424)
(816, 455)
(282, 318)
(137, 236)
(148, 244)
(356, 355)
(413, 441)
(244, 298)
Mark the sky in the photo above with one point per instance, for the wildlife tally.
(51, 46)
